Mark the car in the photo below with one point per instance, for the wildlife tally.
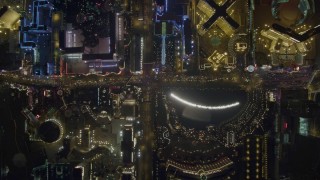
(139, 153)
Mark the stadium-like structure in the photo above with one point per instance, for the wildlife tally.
(207, 152)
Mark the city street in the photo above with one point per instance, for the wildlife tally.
(145, 161)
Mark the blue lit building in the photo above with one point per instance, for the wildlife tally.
(51, 171)
(36, 37)
(173, 36)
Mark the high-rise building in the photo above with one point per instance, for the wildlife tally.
(136, 64)
(127, 145)
(8, 17)
(119, 33)
(85, 138)
(129, 109)
(9, 25)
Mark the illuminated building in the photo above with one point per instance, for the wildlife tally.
(35, 35)
(103, 57)
(137, 59)
(8, 17)
(129, 109)
(128, 173)
(85, 138)
(104, 99)
(217, 14)
(170, 44)
(53, 171)
(127, 145)
(18, 4)
(201, 170)
(80, 59)
(57, 24)
(164, 33)
(205, 7)
(119, 33)
(71, 60)
(230, 139)
(73, 37)
(277, 37)
(304, 126)
(9, 23)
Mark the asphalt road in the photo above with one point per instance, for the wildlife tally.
(148, 31)
(145, 162)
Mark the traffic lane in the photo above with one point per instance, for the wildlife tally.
(145, 163)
